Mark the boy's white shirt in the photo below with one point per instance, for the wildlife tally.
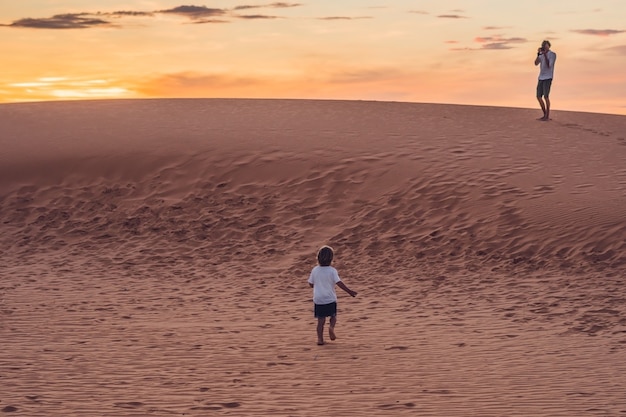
(324, 279)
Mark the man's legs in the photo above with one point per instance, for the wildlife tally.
(543, 94)
(540, 97)
(543, 106)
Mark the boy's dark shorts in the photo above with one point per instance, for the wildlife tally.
(543, 88)
(326, 310)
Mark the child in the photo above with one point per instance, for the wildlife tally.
(323, 279)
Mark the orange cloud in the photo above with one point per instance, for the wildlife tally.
(498, 42)
(197, 14)
(598, 32)
(618, 50)
(61, 21)
(271, 5)
(55, 88)
(452, 16)
(194, 12)
(344, 18)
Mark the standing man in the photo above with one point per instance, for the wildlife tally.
(545, 59)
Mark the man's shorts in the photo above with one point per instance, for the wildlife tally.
(543, 88)
(325, 310)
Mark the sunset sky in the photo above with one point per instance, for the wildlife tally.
(463, 52)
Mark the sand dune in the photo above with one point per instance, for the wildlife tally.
(154, 256)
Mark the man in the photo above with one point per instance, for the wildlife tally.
(545, 59)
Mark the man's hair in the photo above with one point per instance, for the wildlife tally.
(325, 255)
(547, 43)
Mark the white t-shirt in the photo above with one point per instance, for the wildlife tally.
(545, 72)
(324, 279)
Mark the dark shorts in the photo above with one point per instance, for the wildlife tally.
(326, 310)
(543, 88)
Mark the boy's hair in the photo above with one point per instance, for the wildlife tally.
(325, 255)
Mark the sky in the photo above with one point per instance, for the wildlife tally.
(478, 52)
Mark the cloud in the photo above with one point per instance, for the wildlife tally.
(496, 45)
(328, 79)
(344, 18)
(191, 80)
(598, 32)
(452, 16)
(498, 42)
(284, 5)
(271, 5)
(195, 12)
(194, 84)
(47, 88)
(495, 27)
(481, 39)
(62, 21)
(124, 13)
(256, 16)
(204, 21)
(618, 50)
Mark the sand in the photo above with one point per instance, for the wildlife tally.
(154, 257)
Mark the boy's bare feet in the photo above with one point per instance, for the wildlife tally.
(331, 333)
(320, 342)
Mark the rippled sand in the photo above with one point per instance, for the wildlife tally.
(154, 257)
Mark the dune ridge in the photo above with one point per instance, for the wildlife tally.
(137, 235)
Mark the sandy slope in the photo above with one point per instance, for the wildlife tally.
(154, 257)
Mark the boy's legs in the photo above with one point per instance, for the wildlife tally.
(331, 328)
(320, 330)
